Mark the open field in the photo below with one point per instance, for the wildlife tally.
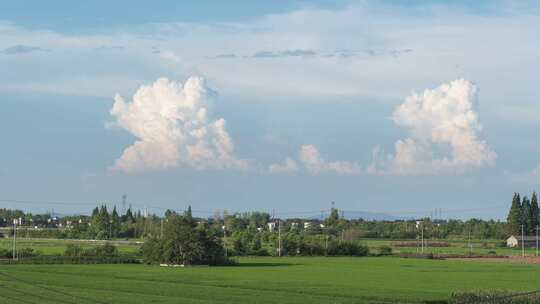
(263, 280)
(484, 247)
(58, 246)
(479, 247)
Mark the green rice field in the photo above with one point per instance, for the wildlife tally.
(58, 246)
(264, 280)
(483, 247)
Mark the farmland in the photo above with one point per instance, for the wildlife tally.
(483, 247)
(264, 280)
(58, 246)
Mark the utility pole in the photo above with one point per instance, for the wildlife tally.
(470, 245)
(422, 237)
(124, 200)
(224, 236)
(417, 236)
(14, 239)
(161, 230)
(326, 244)
(522, 240)
(279, 237)
(537, 227)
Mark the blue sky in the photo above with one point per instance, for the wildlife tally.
(397, 107)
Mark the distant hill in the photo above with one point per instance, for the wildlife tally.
(374, 216)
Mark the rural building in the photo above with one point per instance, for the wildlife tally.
(515, 241)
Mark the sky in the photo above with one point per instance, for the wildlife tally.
(399, 107)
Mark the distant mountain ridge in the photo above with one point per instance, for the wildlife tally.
(373, 216)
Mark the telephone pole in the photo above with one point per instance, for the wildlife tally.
(279, 237)
(470, 245)
(422, 237)
(14, 239)
(124, 201)
(326, 244)
(522, 241)
(537, 227)
(161, 229)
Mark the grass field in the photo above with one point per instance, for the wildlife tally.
(263, 280)
(48, 246)
(58, 246)
(483, 247)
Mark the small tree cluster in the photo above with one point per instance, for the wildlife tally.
(524, 213)
(184, 242)
(101, 251)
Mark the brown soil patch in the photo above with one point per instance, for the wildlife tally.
(510, 259)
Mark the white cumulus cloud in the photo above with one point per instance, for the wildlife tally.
(290, 165)
(444, 133)
(172, 125)
(310, 159)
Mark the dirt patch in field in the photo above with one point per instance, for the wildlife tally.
(510, 259)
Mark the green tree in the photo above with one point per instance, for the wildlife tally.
(526, 216)
(184, 243)
(115, 222)
(534, 212)
(100, 223)
(95, 212)
(515, 216)
(129, 216)
(181, 245)
(188, 214)
(333, 219)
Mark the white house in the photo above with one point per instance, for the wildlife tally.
(515, 241)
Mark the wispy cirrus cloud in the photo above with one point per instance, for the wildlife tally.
(303, 53)
(20, 49)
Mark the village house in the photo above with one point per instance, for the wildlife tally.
(515, 241)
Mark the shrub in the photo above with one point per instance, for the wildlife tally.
(27, 252)
(101, 251)
(346, 248)
(21, 253)
(415, 255)
(73, 250)
(385, 250)
(107, 250)
(5, 254)
(497, 297)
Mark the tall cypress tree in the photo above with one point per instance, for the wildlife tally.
(527, 215)
(115, 222)
(103, 221)
(534, 211)
(189, 216)
(514, 218)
